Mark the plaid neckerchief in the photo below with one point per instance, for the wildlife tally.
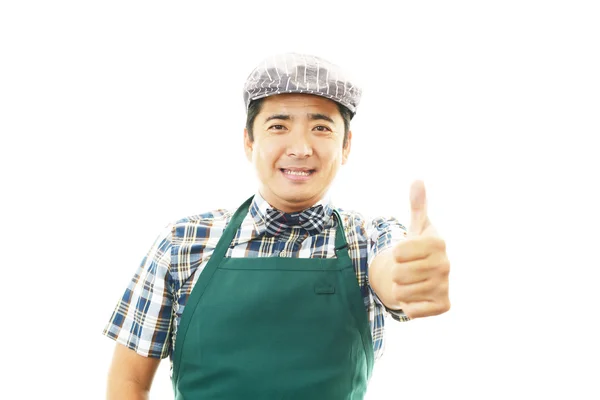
(311, 219)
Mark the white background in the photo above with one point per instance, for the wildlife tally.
(118, 117)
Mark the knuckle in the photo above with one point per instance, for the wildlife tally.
(444, 266)
(441, 295)
(437, 243)
(443, 301)
(444, 306)
(441, 244)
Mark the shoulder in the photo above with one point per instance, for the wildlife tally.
(219, 214)
(352, 217)
(368, 225)
(201, 225)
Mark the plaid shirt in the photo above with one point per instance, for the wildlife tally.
(148, 314)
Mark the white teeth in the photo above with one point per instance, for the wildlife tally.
(287, 171)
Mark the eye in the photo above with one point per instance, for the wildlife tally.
(277, 127)
(322, 128)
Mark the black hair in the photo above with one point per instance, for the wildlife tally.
(255, 106)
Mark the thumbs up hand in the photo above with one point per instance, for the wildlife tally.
(419, 266)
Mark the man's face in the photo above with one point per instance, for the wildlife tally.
(297, 149)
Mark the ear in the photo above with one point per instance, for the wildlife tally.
(346, 150)
(248, 145)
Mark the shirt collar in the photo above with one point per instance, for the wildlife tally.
(259, 207)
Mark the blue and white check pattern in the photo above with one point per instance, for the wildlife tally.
(147, 316)
(311, 219)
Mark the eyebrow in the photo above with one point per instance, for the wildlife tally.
(312, 117)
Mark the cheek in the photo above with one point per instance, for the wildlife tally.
(267, 154)
(333, 157)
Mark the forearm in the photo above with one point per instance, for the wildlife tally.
(380, 278)
(130, 375)
(126, 390)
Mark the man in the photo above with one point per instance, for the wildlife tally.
(285, 296)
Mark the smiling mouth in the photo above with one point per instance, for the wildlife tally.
(297, 173)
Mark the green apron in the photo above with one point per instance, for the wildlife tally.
(274, 328)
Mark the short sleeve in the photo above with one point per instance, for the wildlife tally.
(141, 319)
(383, 233)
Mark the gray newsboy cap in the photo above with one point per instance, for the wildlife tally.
(301, 73)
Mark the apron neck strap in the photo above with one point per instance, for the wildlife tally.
(341, 246)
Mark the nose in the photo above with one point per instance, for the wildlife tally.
(299, 145)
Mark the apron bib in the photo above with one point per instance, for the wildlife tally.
(274, 328)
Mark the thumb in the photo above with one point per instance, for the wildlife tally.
(418, 209)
